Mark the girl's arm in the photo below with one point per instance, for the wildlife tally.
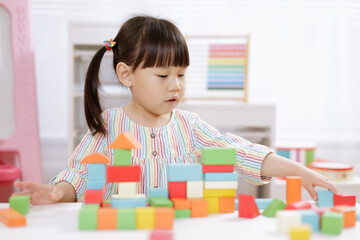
(277, 166)
(47, 193)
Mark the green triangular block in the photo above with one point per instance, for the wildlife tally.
(160, 202)
(273, 207)
(122, 157)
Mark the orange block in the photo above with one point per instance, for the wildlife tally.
(181, 203)
(164, 217)
(96, 158)
(107, 218)
(226, 204)
(293, 189)
(199, 207)
(349, 215)
(125, 141)
(12, 218)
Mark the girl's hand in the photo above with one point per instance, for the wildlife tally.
(40, 193)
(310, 179)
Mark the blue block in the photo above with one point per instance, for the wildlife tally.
(96, 172)
(357, 213)
(262, 203)
(158, 192)
(184, 172)
(236, 203)
(311, 218)
(221, 176)
(128, 203)
(283, 153)
(325, 198)
(95, 184)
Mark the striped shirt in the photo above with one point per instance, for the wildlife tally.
(179, 141)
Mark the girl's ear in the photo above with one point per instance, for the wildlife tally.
(123, 73)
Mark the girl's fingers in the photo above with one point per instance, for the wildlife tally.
(31, 186)
(311, 191)
(24, 193)
(55, 194)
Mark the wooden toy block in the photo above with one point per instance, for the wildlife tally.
(106, 203)
(126, 219)
(344, 199)
(194, 189)
(164, 218)
(158, 192)
(160, 202)
(20, 204)
(138, 201)
(274, 206)
(182, 213)
(300, 232)
(221, 176)
(349, 215)
(236, 203)
(177, 189)
(123, 173)
(217, 168)
(320, 210)
(122, 157)
(226, 204)
(127, 189)
(96, 172)
(107, 218)
(199, 207)
(125, 141)
(302, 204)
(311, 218)
(95, 185)
(95, 158)
(219, 192)
(88, 217)
(94, 195)
(184, 172)
(293, 189)
(325, 198)
(12, 218)
(286, 219)
(332, 223)
(161, 235)
(145, 218)
(262, 203)
(181, 203)
(220, 184)
(247, 207)
(218, 156)
(213, 204)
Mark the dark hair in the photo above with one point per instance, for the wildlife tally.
(142, 40)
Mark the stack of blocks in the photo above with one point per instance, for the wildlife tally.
(126, 209)
(15, 215)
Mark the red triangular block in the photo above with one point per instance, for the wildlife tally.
(247, 206)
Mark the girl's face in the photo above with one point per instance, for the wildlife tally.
(158, 90)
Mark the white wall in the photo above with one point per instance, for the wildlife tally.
(304, 57)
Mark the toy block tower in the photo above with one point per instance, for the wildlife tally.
(220, 180)
(96, 177)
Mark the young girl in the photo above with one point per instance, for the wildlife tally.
(150, 58)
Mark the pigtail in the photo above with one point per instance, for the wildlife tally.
(92, 105)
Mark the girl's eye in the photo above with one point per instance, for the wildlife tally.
(162, 76)
(181, 75)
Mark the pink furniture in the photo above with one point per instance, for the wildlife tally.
(22, 148)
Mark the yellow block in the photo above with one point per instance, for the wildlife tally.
(300, 232)
(145, 218)
(213, 204)
(219, 193)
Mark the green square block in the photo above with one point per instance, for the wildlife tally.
(160, 202)
(88, 217)
(122, 157)
(182, 213)
(20, 204)
(126, 218)
(218, 156)
(273, 207)
(332, 223)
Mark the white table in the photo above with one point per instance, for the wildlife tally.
(59, 221)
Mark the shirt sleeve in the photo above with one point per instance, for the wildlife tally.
(249, 156)
(76, 173)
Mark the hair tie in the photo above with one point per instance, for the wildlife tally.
(109, 44)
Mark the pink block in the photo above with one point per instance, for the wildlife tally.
(161, 235)
(302, 204)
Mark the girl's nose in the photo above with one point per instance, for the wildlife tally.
(175, 84)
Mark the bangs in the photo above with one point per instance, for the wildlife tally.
(163, 45)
